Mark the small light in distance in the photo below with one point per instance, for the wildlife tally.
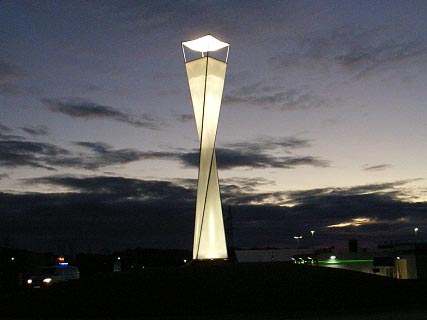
(333, 257)
(398, 258)
(185, 260)
(47, 280)
(118, 258)
(29, 281)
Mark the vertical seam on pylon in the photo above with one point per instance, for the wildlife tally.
(200, 158)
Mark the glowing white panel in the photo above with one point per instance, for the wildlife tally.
(205, 44)
(206, 80)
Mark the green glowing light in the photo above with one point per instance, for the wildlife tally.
(345, 261)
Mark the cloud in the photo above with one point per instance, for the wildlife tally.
(4, 133)
(10, 73)
(96, 155)
(262, 95)
(4, 129)
(264, 152)
(184, 117)
(373, 213)
(357, 222)
(9, 89)
(36, 131)
(147, 191)
(101, 155)
(263, 144)
(21, 152)
(116, 212)
(247, 185)
(260, 153)
(15, 153)
(86, 109)
(252, 154)
(229, 159)
(146, 17)
(103, 212)
(365, 59)
(361, 52)
(379, 167)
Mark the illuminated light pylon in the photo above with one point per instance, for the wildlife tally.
(206, 75)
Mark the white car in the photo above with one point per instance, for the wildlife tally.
(50, 275)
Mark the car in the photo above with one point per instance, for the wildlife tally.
(48, 276)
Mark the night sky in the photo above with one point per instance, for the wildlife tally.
(323, 123)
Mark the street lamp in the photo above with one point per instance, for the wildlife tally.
(416, 233)
(312, 239)
(312, 243)
(297, 238)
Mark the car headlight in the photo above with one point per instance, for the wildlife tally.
(47, 280)
(29, 281)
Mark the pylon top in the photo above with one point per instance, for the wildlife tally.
(207, 43)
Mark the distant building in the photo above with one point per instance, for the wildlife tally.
(409, 259)
(400, 260)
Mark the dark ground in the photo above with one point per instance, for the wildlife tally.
(224, 291)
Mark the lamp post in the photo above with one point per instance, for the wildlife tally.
(297, 238)
(312, 239)
(312, 244)
(416, 234)
(206, 76)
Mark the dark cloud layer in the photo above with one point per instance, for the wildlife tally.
(147, 191)
(5, 134)
(101, 155)
(229, 159)
(81, 108)
(118, 212)
(101, 212)
(265, 152)
(15, 153)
